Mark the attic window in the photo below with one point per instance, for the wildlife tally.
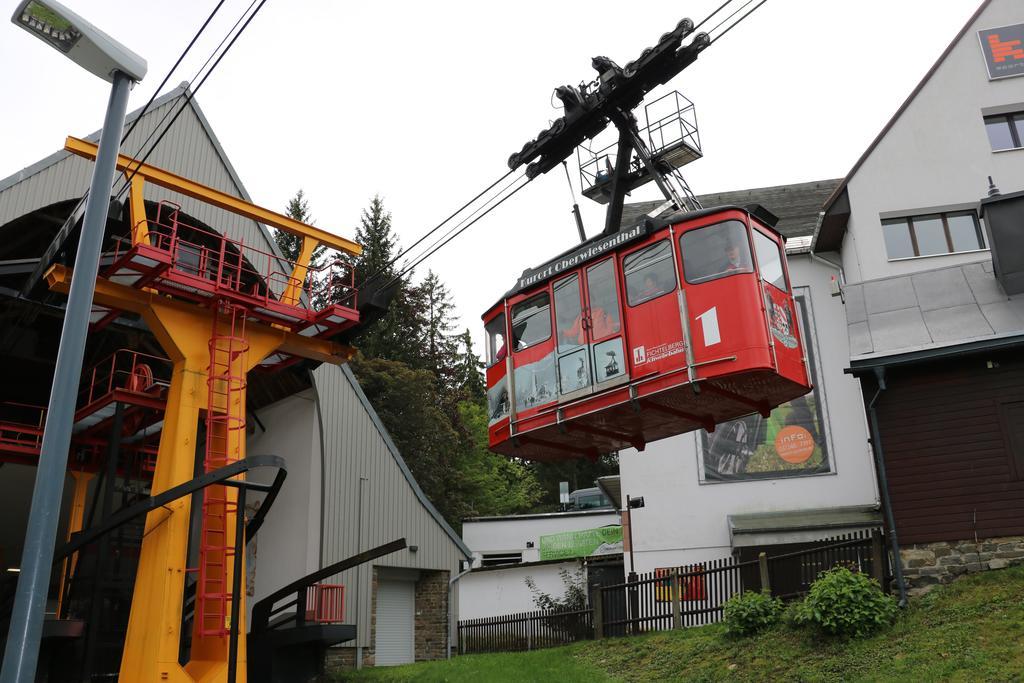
(932, 234)
(1005, 131)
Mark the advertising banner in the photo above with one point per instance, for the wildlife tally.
(791, 441)
(567, 545)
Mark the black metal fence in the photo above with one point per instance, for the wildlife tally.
(676, 597)
(525, 631)
(694, 595)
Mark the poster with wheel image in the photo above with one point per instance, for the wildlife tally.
(791, 441)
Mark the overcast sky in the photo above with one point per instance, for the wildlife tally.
(423, 102)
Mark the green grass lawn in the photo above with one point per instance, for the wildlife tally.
(971, 630)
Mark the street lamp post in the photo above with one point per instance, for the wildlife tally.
(92, 49)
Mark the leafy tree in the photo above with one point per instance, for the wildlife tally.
(490, 484)
(425, 382)
(581, 473)
(404, 398)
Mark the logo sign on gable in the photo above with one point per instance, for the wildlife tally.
(1003, 48)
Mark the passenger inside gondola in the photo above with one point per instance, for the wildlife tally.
(716, 251)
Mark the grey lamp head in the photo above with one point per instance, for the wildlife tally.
(83, 43)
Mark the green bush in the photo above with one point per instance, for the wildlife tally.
(749, 612)
(845, 603)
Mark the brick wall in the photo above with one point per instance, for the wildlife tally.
(431, 624)
(431, 615)
(929, 564)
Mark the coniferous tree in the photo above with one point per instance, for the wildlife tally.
(289, 244)
(427, 386)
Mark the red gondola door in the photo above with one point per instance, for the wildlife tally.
(589, 322)
(604, 314)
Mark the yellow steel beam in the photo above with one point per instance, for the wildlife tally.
(75, 518)
(124, 298)
(137, 210)
(222, 200)
(294, 289)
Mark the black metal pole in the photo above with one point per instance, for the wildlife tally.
(92, 632)
(629, 511)
(883, 486)
(21, 654)
(575, 206)
(623, 155)
(634, 596)
(236, 585)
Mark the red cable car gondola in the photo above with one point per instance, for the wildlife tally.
(658, 329)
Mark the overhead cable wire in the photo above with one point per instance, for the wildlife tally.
(733, 14)
(708, 17)
(170, 108)
(408, 269)
(736, 23)
(482, 207)
(193, 91)
(430, 232)
(172, 70)
(471, 220)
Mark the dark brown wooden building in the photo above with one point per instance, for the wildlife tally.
(952, 433)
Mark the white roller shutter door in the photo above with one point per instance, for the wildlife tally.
(396, 605)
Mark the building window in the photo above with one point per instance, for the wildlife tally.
(1005, 131)
(499, 559)
(936, 233)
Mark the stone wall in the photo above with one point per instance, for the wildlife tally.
(928, 564)
(431, 615)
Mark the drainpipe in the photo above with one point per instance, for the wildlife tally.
(883, 484)
(451, 591)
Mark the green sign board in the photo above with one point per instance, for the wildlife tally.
(572, 544)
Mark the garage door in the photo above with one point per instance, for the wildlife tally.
(396, 603)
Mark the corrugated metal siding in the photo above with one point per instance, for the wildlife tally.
(187, 150)
(356, 449)
(947, 450)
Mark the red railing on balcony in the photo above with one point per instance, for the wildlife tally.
(129, 372)
(21, 427)
(199, 263)
(325, 603)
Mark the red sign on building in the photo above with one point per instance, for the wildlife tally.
(1003, 48)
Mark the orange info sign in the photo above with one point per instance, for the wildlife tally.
(794, 444)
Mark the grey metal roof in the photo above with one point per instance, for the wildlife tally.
(797, 205)
(612, 487)
(933, 309)
(393, 450)
(190, 148)
(795, 520)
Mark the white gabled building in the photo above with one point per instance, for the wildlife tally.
(729, 493)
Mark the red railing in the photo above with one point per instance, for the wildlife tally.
(259, 275)
(21, 427)
(130, 371)
(325, 603)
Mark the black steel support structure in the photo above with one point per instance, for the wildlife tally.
(92, 632)
(236, 583)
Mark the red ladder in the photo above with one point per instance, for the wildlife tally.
(225, 435)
